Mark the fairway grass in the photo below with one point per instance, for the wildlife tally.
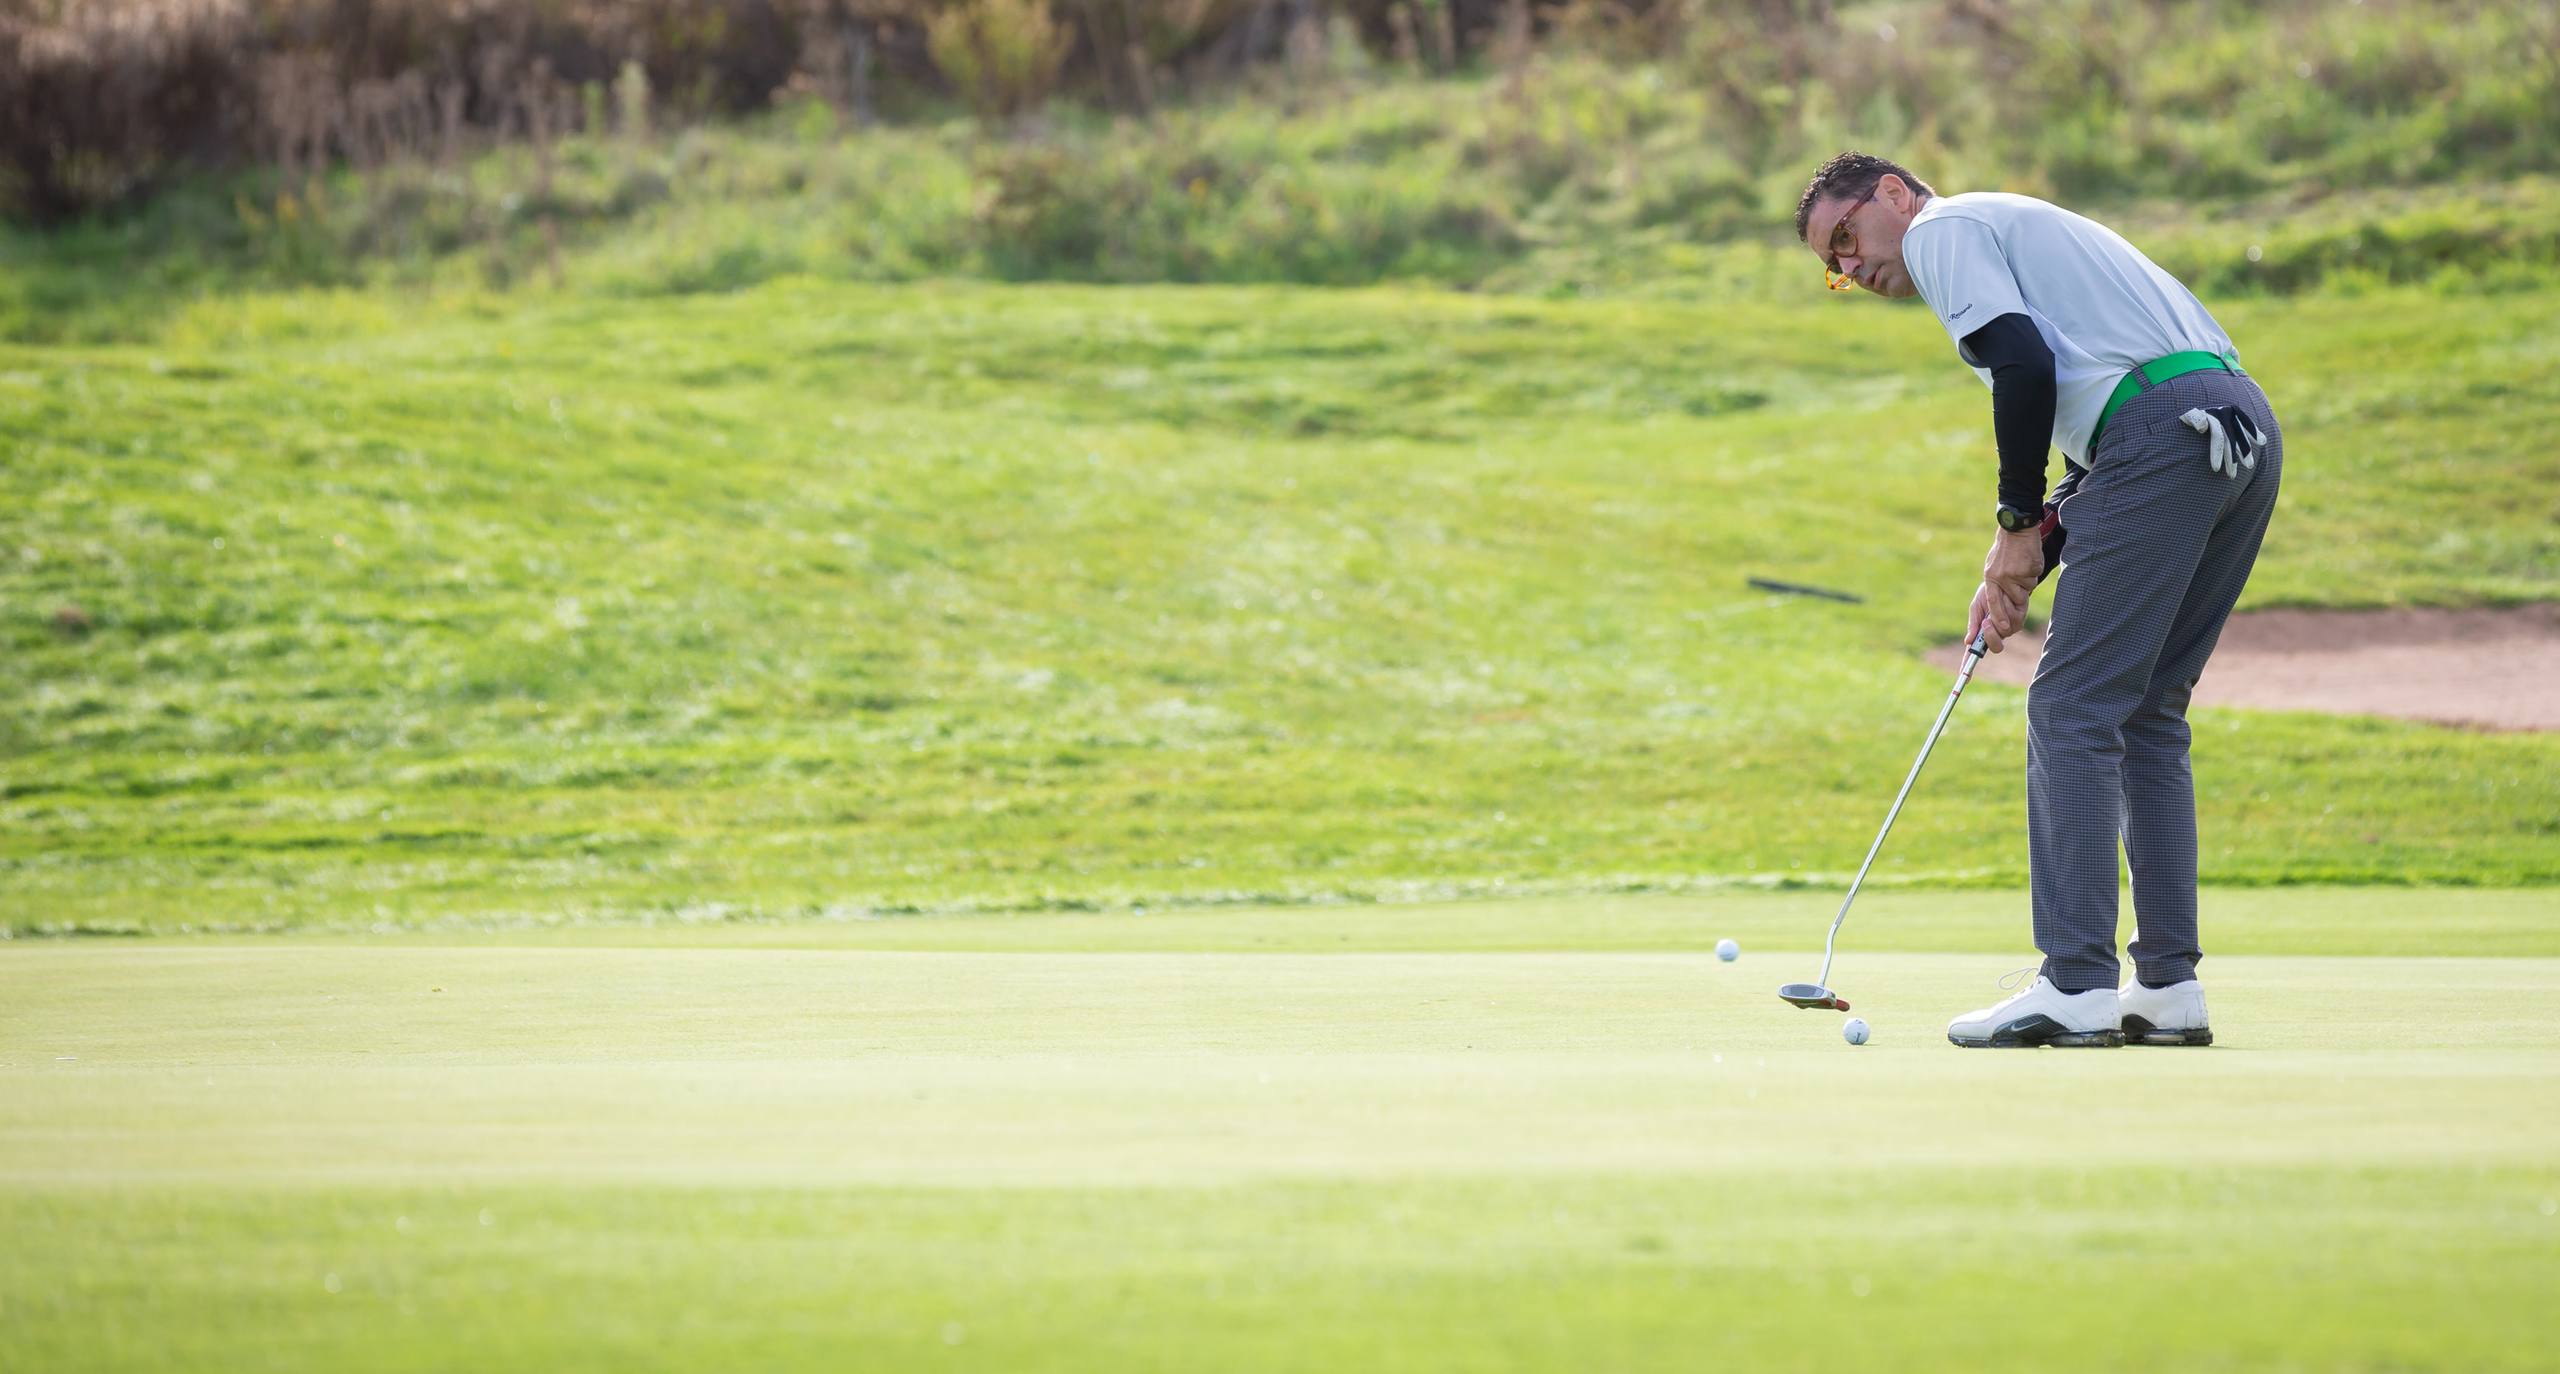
(687, 1151)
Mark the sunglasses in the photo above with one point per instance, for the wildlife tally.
(1843, 243)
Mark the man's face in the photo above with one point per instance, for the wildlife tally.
(1860, 237)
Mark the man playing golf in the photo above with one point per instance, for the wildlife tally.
(2173, 460)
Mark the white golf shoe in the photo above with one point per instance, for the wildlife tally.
(2043, 1015)
(2173, 1015)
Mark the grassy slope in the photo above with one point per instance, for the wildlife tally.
(821, 597)
(425, 1156)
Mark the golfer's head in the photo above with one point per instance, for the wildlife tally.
(1852, 216)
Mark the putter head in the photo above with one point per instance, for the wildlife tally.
(1812, 996)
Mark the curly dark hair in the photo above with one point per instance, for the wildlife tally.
(1852, 174)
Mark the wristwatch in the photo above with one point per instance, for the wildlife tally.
(2017, 521)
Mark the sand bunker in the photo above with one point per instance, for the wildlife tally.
(2491, 669)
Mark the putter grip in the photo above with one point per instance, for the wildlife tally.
(2054, 535)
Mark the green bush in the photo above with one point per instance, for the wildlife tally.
(1004, 55)
(2079, 98)
(1564, 171)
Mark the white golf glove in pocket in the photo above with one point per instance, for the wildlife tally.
(2231, 438)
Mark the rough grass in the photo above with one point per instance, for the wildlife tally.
(1587, 178)
(835, 598)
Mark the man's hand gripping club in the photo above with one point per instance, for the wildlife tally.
(2017, 562)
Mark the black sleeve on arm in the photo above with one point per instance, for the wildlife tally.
(2022, 400)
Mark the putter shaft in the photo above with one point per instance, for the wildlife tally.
(1972, 657)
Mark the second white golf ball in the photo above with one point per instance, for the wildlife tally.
(1855, 1032)
(1728, 951)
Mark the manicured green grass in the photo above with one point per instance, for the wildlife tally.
(2224, 1268)
(2398, 922)
(316, 1154)
(827, 599)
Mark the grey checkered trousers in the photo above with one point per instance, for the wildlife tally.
(2160, 545)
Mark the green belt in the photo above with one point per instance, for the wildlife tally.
(2153, 373)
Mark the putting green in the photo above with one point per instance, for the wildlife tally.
(325, 1154)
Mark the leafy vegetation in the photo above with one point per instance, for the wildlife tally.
(2405, 143)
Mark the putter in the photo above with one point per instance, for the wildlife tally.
(1818, 993)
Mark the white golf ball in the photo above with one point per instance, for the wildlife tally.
(1855, 1032)
(1728, 951)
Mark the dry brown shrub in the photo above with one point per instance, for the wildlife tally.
(99, 99)
(1004, 55)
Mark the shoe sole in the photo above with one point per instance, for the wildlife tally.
(2140, 1031)
(2037, 1031)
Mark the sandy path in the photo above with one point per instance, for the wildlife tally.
(2492, 669)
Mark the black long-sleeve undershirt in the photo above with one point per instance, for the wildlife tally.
(2022, 402)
